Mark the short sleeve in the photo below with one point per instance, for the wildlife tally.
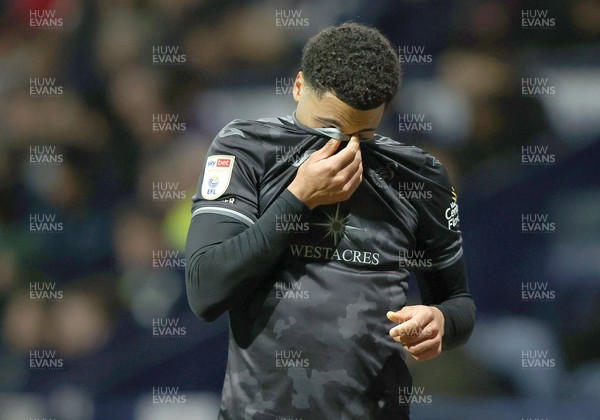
(438, 231)
(229, 181)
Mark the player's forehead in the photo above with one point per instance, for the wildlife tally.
(330, 109)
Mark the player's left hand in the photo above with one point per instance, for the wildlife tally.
(420, 330)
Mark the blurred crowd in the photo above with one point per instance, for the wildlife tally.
(111, 162)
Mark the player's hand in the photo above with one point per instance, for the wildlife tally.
(420, 330)
(326, 178)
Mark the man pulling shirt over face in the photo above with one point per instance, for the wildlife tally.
(305, 227)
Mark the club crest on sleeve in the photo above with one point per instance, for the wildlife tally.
(217, 175)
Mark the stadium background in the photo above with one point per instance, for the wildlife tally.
(108, 106)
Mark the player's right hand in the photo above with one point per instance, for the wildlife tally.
(327, 178)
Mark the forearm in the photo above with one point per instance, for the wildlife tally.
(459, 321)
(447, 290)
(225, 263)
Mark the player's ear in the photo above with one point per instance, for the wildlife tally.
(299, 86)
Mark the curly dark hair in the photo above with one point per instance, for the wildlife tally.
(354, 62)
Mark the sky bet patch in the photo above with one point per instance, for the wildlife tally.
(217, 175)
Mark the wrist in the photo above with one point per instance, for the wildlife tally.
(301, 196)
(440, 317)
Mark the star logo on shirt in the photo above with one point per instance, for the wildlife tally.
(337, 226)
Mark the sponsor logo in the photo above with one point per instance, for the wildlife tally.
(217, 176)
(224, 163)
(451, 212)
(336, 227)
(329, 253)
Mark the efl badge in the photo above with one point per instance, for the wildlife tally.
(217, 175)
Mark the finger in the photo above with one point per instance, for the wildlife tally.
(392, 316)
(402, 315)
(346, 156)
(422, 346)
(407, 329)
(426, 350)
(354, 144)
(407, 345)
(351, 170)
(326, 151)
(354, 182)
(426, 355)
